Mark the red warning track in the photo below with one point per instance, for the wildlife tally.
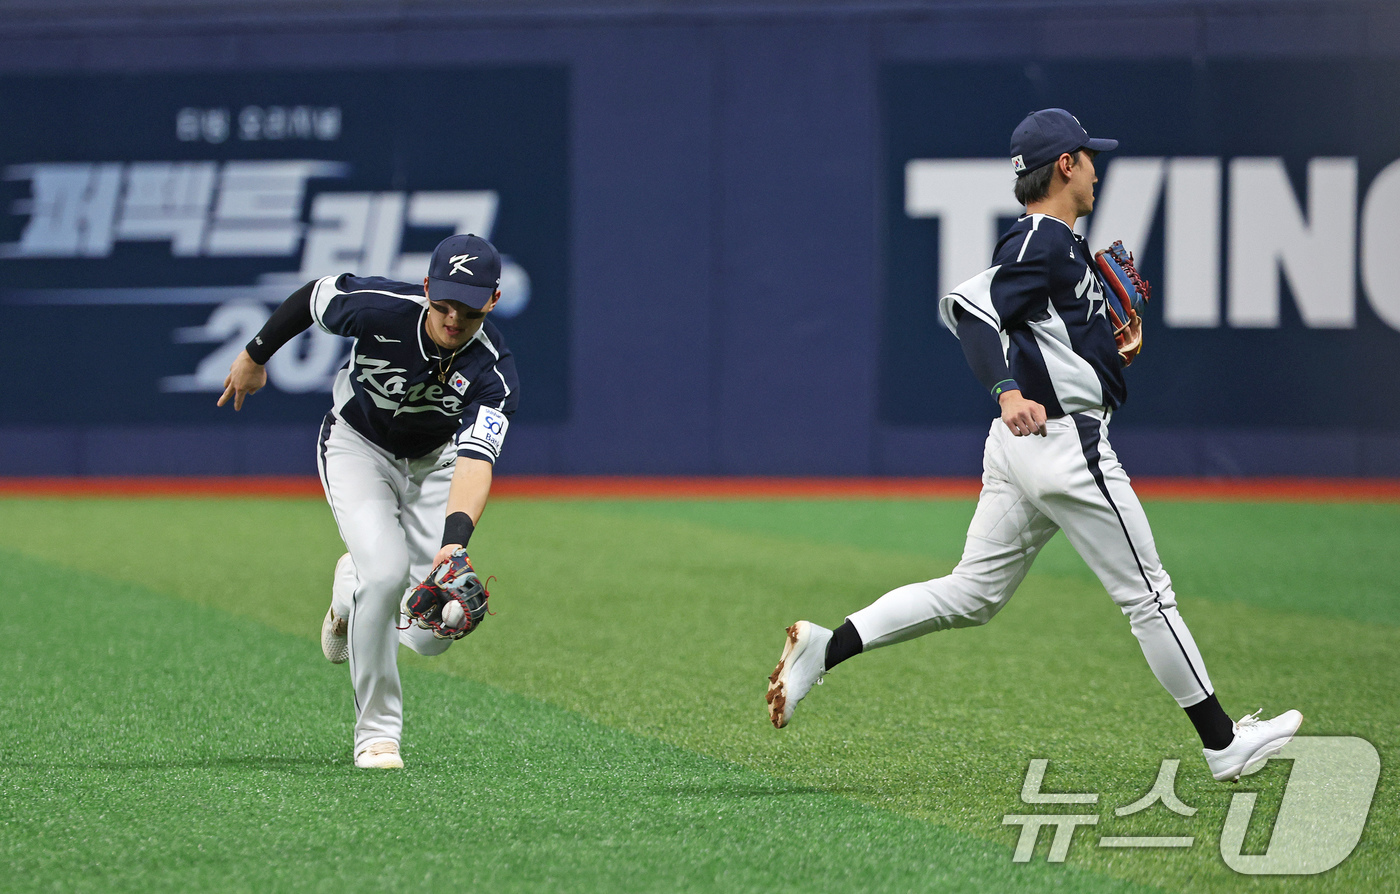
(1383, 490)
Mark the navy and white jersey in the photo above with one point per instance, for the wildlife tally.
(1043, 296)
(400, 389)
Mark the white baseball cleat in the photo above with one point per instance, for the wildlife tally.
(333, 642)
(381, 755)
(799, 669)
(1255, 742)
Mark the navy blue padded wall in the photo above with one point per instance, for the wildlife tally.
(725, 227)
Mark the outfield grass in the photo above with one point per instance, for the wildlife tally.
(606, 730)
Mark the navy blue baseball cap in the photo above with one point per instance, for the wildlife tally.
(1046, 135)
(466, 269)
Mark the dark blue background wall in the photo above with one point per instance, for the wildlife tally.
(729, 279)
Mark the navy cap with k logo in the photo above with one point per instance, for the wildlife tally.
(1046, 135)
(466, 269)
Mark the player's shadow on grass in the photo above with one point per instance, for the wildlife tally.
(721, 790)
(856, 791)
(247, 761)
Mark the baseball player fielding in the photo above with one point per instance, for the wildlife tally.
(418, 418)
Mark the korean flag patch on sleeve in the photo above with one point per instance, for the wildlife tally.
(490, 429)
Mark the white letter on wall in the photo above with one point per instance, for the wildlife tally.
(1380, 245)
(1269, 233)
(1191, 278)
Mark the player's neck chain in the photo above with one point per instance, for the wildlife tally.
(445, 364)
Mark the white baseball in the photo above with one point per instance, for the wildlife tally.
(453, 615)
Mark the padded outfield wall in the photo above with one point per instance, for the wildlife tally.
(726, 229)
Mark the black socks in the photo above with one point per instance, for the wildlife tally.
(1214, 726)
(845, 642)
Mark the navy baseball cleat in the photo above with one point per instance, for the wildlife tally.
(801, 667)
(1255, 742)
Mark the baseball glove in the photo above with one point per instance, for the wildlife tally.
(451, 602)
(1126, 292)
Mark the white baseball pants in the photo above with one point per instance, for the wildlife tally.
(390, 513)
(1032, 487)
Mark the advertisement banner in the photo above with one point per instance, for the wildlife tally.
(1258, 196)
(149, 224)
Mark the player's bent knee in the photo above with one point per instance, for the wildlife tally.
(974, 602)
(381, 580)
(978, 615)
(1148, 609)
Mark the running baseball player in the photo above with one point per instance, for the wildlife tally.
(1034, 329)
(419, 415)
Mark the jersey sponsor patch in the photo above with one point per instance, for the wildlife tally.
(490, 427)
(459, 383)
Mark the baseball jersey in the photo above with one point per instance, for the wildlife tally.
(1043, 296)
(401, 390)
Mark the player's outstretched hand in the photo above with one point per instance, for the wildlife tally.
(245, 377)
(1022, 416)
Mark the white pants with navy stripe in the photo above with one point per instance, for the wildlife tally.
(390, 513)
(1032, 487)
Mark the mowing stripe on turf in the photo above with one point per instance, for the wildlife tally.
(174, 747)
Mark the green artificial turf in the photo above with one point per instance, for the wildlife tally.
(637, 637)
(173, 747)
